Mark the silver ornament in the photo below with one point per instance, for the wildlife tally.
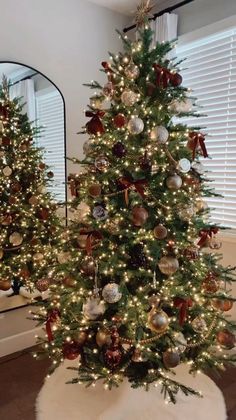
(184, 165)
(158, 320)
(111, 293)
(99, 213)
(199, 324)
(101, 163)
(135, 125)
(132, 71)
(16, 239)
(168, 265)
(174, 182)
(159, 134)
(129, 98)
(93, 308)
(179, 342)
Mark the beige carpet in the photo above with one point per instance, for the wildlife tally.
(58, 401)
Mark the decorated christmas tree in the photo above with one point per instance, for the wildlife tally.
(29, 223)
(138, 289)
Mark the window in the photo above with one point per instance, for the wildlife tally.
(210, 71)
(50, 116)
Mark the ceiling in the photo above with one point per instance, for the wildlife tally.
(126, 7)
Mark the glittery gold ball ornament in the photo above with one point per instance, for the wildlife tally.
(5, 284)
(80, 337)
(168, 265)
(158, 320)
(101, 163)
(7, 171)
(128, 97)
(171, 359)
(16, 239)
(132, 71)
(38, 256)
(42, 284)
(160, 232)
(174, 182)
(111, 293)
(199, 324)
(103, 338)
(93, 308)
(135, 125)
(159, 134)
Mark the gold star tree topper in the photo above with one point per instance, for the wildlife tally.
(143, 12)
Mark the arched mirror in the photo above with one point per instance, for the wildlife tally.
(44, 105)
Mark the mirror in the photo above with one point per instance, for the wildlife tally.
(44, 105)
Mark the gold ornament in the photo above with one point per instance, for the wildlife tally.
(88, 266)
(42, 285)
(80, 337)
(63, 257)
(7, 171)
(142, 12)
(38, 256)
(16, 239)
(132, 71)
(168, 265)
(103, 338)
(158, 320)
(69, 281)
(160, 232)
(5, 284)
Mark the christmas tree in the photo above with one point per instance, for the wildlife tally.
(135, 293)
(29, 223)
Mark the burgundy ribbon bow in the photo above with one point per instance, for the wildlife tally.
(198, 140)
(182, 305)
(91, 237)
(138, 185)
(53, 315)
(95, 125)
(206, 233)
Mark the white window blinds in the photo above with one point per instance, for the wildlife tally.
(210, 71)
(50, 116)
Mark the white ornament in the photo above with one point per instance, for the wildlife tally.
(135, 125)
(181, 106)
(184, 165)
(16, 239)
(198, 167)
(111, 293)
(7, 171)
(160, 134)
(129, 98)
(93, 308)
(180, 342)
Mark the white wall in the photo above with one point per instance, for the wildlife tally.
(66, 40)
(200, 12)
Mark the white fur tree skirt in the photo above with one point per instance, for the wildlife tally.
(58, 401)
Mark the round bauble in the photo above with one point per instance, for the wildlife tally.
(132, 71)
(82, 212)
(174, 182)
(139, 216)
(171, 359)
(71, 350)
(101, 163)
(226, 339)
(168, 265)
(158, 320)
(160, 232)
(119, 149)
(181, 106)
(111, 293)
(69, 281)
(129, 98)
(80, 337)
(5, 284)
(63, 257)
(145, 163)
(108, 90)
(42, 284)
(119, 120)
(135, 125)
(176, 79)
(154, 301)
(7, 171)
(87, 146)
(210, 285)
(184, 165)
(95, 190)
(33, 200)
(159, 134)
(88, 266)
(103, 338)
(199, 324)
(6, 220)
(15, 187)
(16, 239)
(93, 308)
(186, 212)
(191, 253)
(50, 174)
(99, 212)
(38, 256)
(222, 305)
(113, 356)
(179, 342)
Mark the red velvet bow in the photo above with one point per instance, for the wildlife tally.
(92, 236)
(138, 185)
(206, 233)
(182, 305)
(53, 315)
(95, 126)
(198, 140)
